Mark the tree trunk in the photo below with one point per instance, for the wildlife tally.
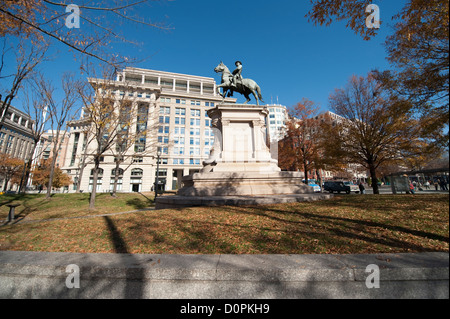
(94, 184)
(116, 178)
(373, 176)
(80, 175)
(50, 179)
(305, 167)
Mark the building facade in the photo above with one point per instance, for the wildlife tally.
(16, 134)
(16, 138)
(171, 107)
(276, 123)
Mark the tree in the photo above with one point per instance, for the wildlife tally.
(43, 171)
(300, 147)
(10, 167)
(418, 49)
(35, 106)
(110, 116)
(27, 58)
(376, 127)
(99, 24)
(60, 111)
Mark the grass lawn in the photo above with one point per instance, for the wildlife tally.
(346, 224)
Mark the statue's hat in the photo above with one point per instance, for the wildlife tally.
(237, 62)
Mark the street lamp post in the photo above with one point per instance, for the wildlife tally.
(158, 155)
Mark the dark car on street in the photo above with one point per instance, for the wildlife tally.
(340, 186)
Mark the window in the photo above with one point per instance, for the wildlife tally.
(194, 141)
(207, 122)
(180, 101)
(165, 100)
(195, 161)
(178, 161)
(195, 112)
(163, 130)
(100, 172)
(163, 139)
(164, 150)
(178, 150)
(163, 161)
(195, 102)
(180, 120)
(179, 140)
(138, 159)
(194, 131)
(180, 111)
(137, 172)
(118, 184)
(194, 151)
(195, 122)
(164, 110)
(179, 130)
(167, 83)
(164, 119)
(113, 172)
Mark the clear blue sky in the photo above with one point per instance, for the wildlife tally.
(286, 55)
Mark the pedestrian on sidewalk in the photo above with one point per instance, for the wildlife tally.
(411, 188)
(362, 189)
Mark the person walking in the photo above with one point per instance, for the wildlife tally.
(411, 188)
(362, 189)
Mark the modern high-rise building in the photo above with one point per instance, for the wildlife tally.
(171, 109)
(278, 115)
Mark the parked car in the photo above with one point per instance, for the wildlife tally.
(314, 185)
(353, 187)
(340, 186)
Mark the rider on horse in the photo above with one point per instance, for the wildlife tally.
(237, 76)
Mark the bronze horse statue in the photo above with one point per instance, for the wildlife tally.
(244, 87)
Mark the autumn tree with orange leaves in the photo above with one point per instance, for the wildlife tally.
(418, 51)
(300, 148)
(29, 27)
(376, 127)
(10, 169)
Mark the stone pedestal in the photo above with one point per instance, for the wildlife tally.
(240, 162)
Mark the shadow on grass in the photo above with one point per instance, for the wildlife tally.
(140, 203)
(134, 286)
(297, 228)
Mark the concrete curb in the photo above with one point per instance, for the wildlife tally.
(176, 201)
(43, 275)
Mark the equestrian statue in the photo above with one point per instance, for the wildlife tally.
(233, 82)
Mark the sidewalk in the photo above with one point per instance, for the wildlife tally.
(45, 275)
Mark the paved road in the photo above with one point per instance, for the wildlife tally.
(387, 190)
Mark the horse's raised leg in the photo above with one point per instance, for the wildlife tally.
(224, 90)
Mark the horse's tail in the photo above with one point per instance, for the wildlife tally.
(258, 90)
